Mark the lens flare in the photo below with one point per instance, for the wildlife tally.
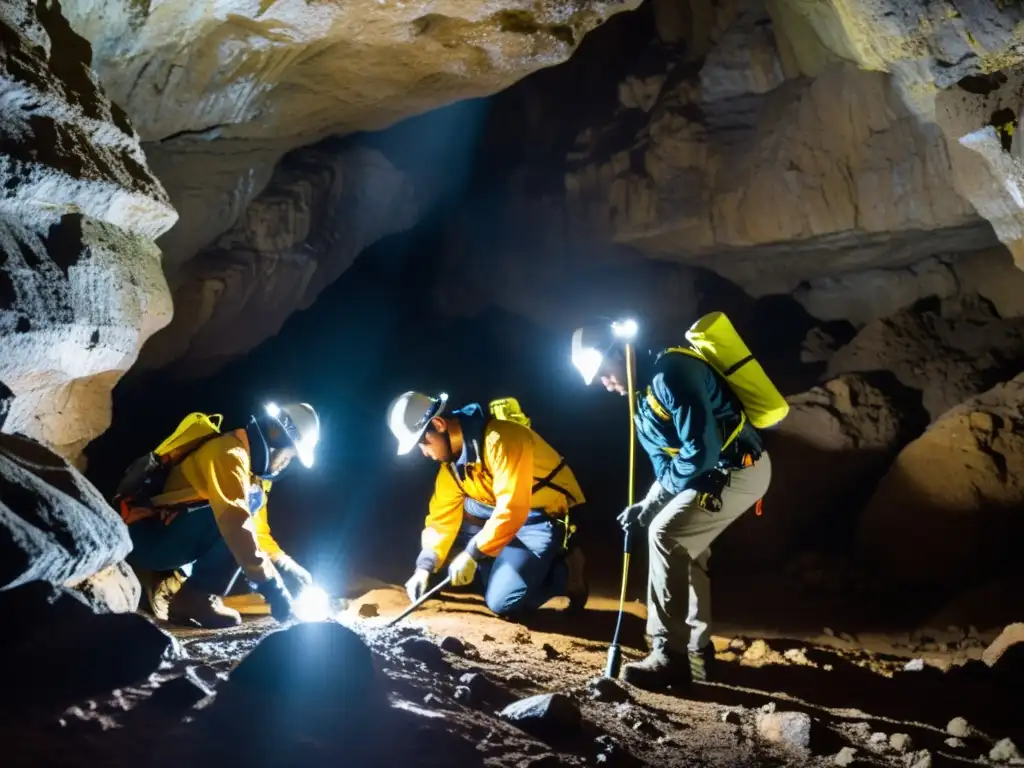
(312, 604)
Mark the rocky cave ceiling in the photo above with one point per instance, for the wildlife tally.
(787, 145)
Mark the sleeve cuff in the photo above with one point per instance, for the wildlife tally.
(474, 551)
(426, 561)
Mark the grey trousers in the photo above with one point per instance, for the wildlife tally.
(679, 540)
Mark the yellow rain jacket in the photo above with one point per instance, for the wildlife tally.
(500, 464)
(219, 471)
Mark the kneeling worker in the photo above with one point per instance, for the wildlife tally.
(200, 499)
(695, 418)
(502, 496)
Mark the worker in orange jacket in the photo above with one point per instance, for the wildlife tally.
(211, 515)
(501, 496)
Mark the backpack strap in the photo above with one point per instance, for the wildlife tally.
(547, 482)
(167, 506)
(662, 412)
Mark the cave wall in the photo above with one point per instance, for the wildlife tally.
(81, 286)
(220, 93)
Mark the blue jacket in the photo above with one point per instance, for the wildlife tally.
(684, 417)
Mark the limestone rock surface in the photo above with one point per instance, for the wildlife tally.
(323, 206)
(827, 456)
(948, 512)
(221, 92)
(767, 174)
(81, 286)
(948, 351)
(54, 525)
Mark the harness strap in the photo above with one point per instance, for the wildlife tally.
(543, 482)
(662, 412)
(547, 482)
(168, 506)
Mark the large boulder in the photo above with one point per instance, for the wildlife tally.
(57, 651)
(115, 589)
(81, 286)
(950, 511)
(947, 350)
(54, 525)
(827, 455)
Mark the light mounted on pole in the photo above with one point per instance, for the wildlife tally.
(625, 329)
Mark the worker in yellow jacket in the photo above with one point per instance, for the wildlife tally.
(211, 514)
(502, 497)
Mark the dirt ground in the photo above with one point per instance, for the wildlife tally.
(859, 699)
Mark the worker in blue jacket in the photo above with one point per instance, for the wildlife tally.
(710, 467)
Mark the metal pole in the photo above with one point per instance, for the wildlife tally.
(426, 596)
(611, 669)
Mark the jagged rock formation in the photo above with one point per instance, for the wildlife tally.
(54, 525)
(756, 176)
(827, 456)
(948, 351)
(221, 93)
(81, 287)
(948, 512)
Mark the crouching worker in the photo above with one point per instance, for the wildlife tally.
(200, 500)
(697, 411)
(501, 499)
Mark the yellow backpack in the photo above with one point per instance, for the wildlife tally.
(146, 476)
(508, 409)
(715, 341)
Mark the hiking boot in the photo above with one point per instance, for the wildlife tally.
(702, 664)
(193, 606)
(662, 668)
(576, 587)
(160, 590)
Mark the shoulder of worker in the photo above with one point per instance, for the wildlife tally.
(227, 450)
(500, 435)
(678, 374)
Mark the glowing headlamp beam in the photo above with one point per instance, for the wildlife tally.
(625, 329)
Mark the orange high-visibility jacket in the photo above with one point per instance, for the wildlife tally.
(503, 465)
(220, 471)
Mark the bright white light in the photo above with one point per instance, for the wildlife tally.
(625, 329)
(273, 410)
(312, 604)
(587, 361)
(306, 449)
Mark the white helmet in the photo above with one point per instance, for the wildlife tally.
(302, 426)
(409, 416)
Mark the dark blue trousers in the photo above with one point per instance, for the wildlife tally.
(528, 572)
(192, 538)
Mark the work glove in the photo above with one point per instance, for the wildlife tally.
(277, 596)
(296, 578)
(462, 569)
(634, 516)
(639, 515)
(417, 585)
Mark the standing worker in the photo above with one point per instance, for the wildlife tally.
(502, 496)
(710, 467)
(200, 499)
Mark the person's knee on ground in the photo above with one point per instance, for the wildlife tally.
(504, 601)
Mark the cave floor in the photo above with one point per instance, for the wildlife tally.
(856, 697)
